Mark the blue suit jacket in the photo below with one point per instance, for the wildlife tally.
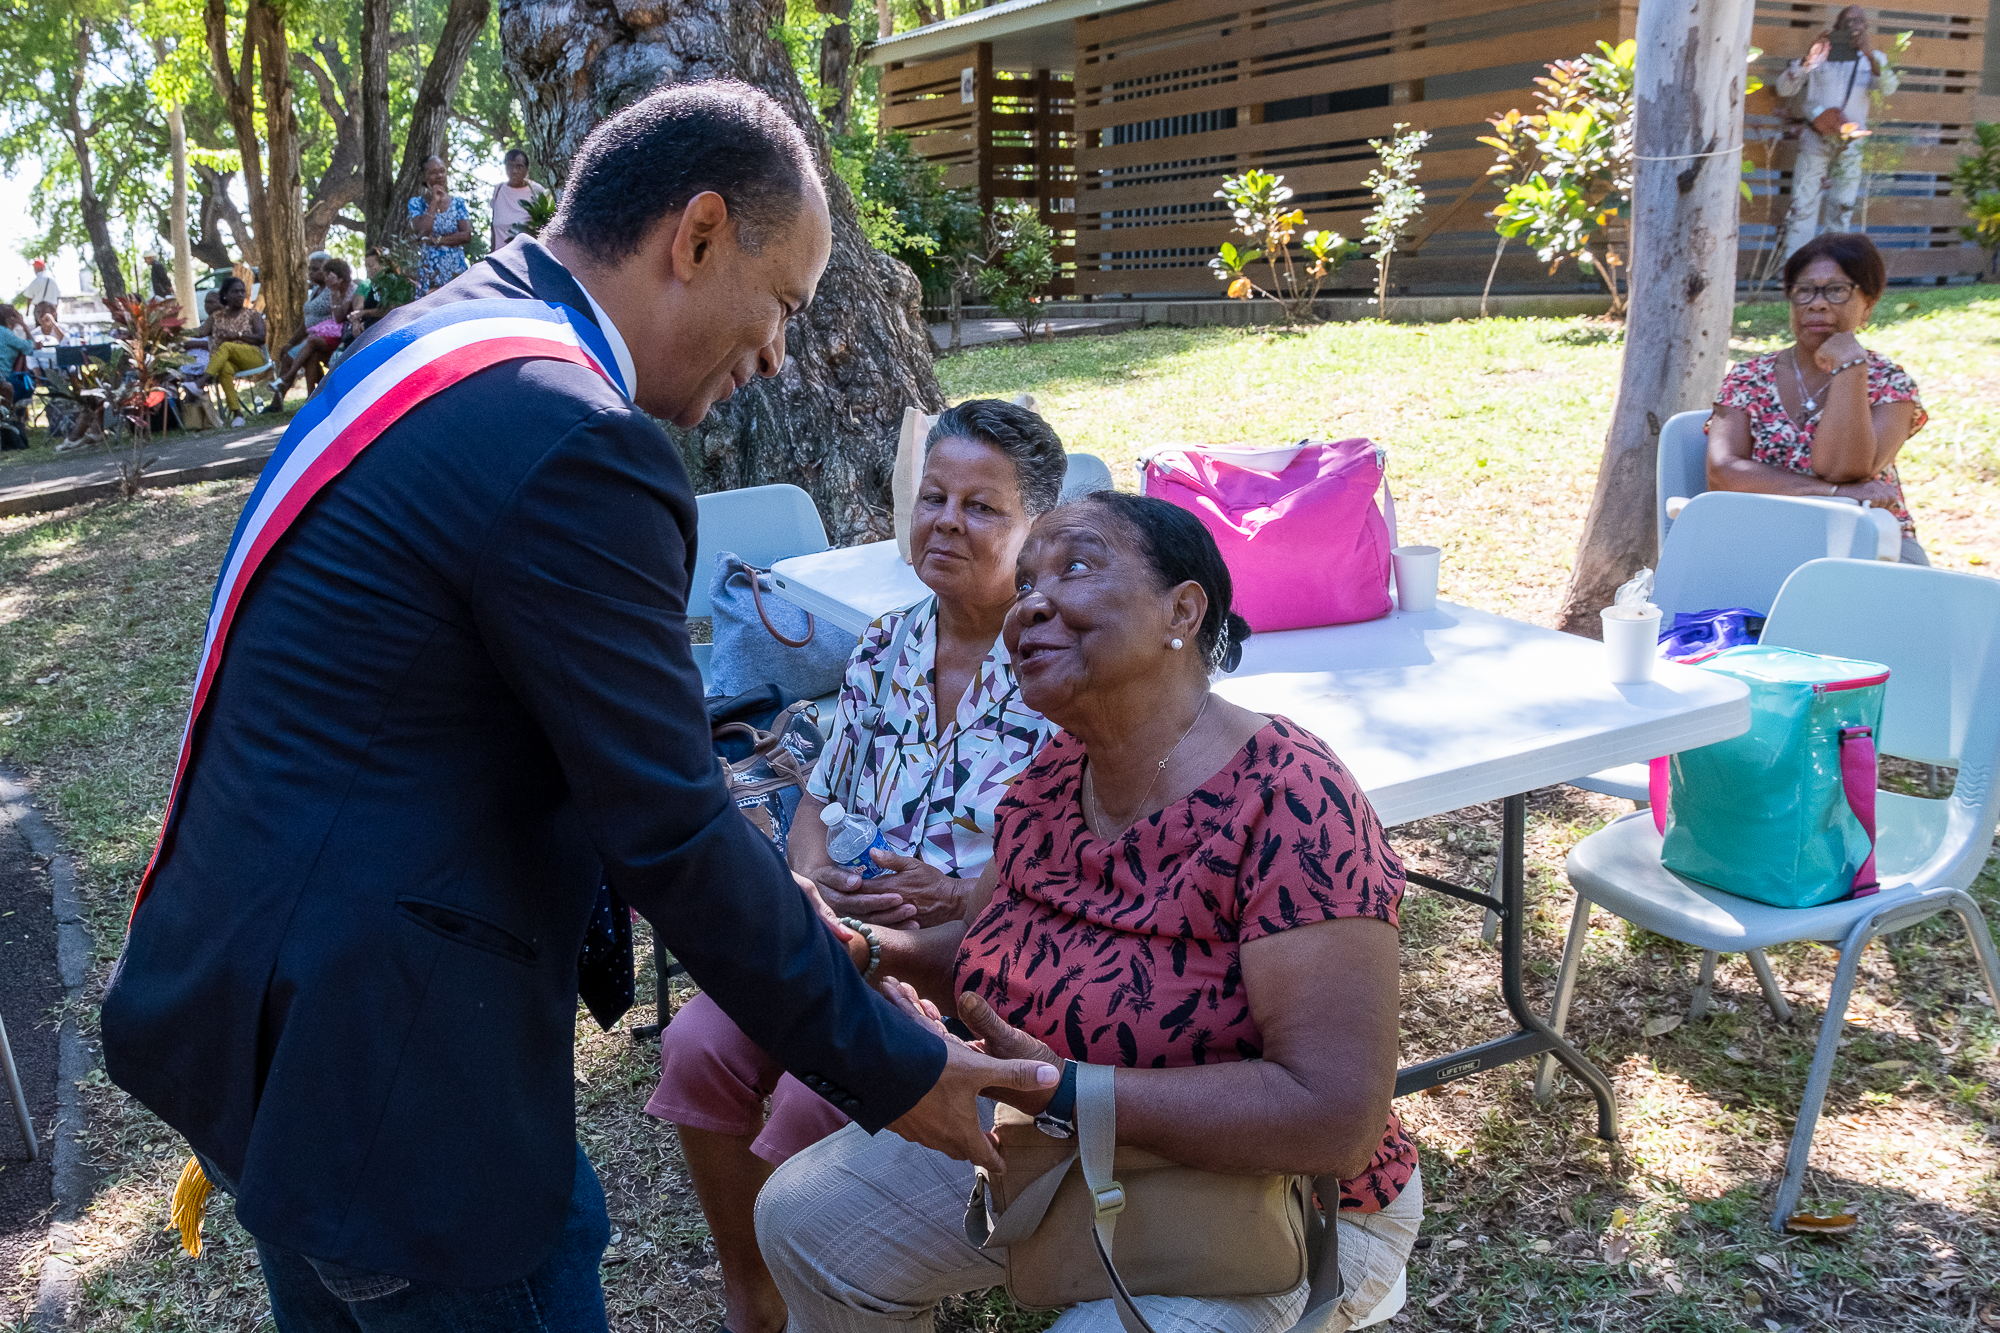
(457, 697)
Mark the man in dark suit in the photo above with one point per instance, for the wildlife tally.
(457, 697)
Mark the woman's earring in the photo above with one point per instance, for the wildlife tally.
(1177, 645)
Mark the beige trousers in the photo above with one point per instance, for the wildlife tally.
(869, 1234)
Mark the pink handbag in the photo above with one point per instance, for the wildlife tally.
(1298, 526)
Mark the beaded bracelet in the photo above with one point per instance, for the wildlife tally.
(1848, 365)
(867, 932)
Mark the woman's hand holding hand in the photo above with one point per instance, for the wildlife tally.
(933, 897)
(842, 890)
(1003, 1041)
(1873, 492)
(904, 996)
(1841, 347)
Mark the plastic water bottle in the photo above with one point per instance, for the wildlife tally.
(850, 839)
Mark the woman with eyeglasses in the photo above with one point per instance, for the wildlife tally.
(1825, 416)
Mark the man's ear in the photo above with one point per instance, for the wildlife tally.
(701, 226)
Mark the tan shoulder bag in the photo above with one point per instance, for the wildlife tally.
(1131, 1223)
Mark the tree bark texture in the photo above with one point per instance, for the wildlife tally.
(96, 219)
(236, 87)
(1688, 132)
(178, 233)
(340, 184)
(828, 422)
(430, 116)
(282, 232)
(378, 146)
(836, 64)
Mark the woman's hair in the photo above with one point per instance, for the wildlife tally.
(1181, 550)
(11, 317)
(1856, 254)
(1016, 431)
(222, 288)
(340, 268)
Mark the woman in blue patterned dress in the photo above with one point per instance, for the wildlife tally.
(931, 772)
(442, 224)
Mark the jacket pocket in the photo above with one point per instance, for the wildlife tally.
(462, 927)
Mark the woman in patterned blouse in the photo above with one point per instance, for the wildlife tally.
(1825, 416)
(1195, 894)
(953, 735)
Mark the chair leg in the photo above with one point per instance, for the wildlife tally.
(21, 1115)
(1702, 987)
(1830, 1027)
(1769, 981)
(1579, 930)
(1974, 922)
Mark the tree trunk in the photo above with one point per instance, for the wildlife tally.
(836, 65)
(237, 89)
(430, 116)
(96, 221)
(217, 213)
(341, 183)
(178, 233)
(1681, 283)
(378, 148)
(885, 19)
(1489, 276)
(282, 232)
(829, 422)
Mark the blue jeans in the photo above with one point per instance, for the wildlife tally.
(564, 1295)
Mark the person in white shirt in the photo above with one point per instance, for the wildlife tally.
(512, 197)
(42, 289)
(1835, 77)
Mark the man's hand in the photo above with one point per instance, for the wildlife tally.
(931, 896)
(1001, 1039)
(849, 895)
(947, 1119)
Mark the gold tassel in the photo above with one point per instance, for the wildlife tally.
(191, 1205)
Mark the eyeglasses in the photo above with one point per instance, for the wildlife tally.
(1836, 293)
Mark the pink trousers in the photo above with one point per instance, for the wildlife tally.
(713, 1077)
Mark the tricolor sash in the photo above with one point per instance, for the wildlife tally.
(368, 393)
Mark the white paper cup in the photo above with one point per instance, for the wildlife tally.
(1416, 576)
(1631, 642)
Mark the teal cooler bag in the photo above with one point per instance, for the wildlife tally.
(1784, 813)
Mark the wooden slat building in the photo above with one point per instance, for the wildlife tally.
(1121, 117)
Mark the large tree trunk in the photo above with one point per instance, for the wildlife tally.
(218, 212)
(282, 232)
(430, 116)
(96, 220)
(378, 147)
(236, 86)
(340, 184)
(1681, 282)
(178, 231)
(836, 64)
(828, 423)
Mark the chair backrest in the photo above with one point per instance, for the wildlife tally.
(1086, 473)
(1732, 548)
(1683, 464)
(70, 358)
(1938, 632)
(760, 524)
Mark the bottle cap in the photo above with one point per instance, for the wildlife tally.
(832, 814)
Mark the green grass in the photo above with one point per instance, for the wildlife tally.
(1494, 430)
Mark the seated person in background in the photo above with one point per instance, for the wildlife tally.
(318, 309)
(48, 333)
(1186, 890)
(323, 335)
(953, 735)
(1825, 416)
(235, 340)
(385, 289)
(16, 343)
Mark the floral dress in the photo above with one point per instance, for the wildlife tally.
(932, 783)
(1129, 951)
(439, 264)
(1752, 389)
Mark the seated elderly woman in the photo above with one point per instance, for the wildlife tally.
(1193, 893)
(1825, 416)
(953, 734)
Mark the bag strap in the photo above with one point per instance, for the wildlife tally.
(1095, 1148)
(871, 716)
(757, 597)
(1858, 777)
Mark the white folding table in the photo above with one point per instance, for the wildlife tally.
(1431, 711)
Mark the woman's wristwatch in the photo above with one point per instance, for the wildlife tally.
(867, 932)
(1058, 1118)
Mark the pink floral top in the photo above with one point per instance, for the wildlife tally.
(1752, 389)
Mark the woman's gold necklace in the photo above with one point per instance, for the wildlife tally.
(1103, 819)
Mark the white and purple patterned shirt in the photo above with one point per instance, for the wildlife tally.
(932, 784)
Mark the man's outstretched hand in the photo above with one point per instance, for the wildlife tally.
(947, 1119)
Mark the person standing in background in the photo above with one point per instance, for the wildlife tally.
(1839, 69)
(163, 282)
(512, 197)
(42, 289)
(442, 224)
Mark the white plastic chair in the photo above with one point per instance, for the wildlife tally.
(249, 384)
(1086, 473)
(1398, 1297)
(1732, 548)
(761, 525)
(1681, 470)
(1939, 634)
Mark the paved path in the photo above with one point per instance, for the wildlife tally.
(178, 458)
(979, 332)
(30, 991)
